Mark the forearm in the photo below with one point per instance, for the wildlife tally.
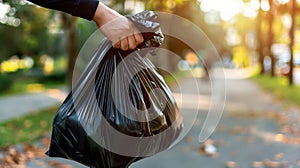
(81, 8)
(114, 26)
(104, 14)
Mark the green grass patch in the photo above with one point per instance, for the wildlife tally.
(280, 87)
(172, 79)
(28, 128)
(31, 85)
(19, 88)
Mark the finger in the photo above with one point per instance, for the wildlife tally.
(138, 38)
(131, 42)
(124, 44)
(117, 44)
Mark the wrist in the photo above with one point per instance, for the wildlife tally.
(104, 15)
(98, 13)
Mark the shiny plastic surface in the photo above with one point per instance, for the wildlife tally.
(118, 92)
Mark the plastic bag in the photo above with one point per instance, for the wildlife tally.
(120, 110)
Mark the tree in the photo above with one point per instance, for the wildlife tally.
(31, 35)
(292, 34)
(69, 24)
(260, 46)
(189, 10)
(271, 14)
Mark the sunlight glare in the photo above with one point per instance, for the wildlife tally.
(207, 5)
(227, 9)
(282, 2)
(286, 20)
(265, 6)
(4, 9)
(226, 13)
(250, 9)
(255, 4)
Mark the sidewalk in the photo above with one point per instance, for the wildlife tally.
(18, 105)
(255, 131)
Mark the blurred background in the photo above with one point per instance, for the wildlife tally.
(257, 40)
(39, 46)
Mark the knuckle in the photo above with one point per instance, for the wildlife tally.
(124, 48)
(132, 47)
(140, 39)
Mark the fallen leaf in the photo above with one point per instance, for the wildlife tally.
(209, 149)
(43, 124)
(58, 164)
(230, 164)
(278, 156)
(257, 164)
(27, 123)
(189, 139)
(272, 164)
(46, 141)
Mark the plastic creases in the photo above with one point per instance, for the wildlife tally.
(120, 110)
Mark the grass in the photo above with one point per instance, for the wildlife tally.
(28, 128)
(29, 85)
(19, 82)
(280, 87)
(172, 79)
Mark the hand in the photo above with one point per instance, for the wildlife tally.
(117, 28)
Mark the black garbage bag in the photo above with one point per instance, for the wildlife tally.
(120, 110)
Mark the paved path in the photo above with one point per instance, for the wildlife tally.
(18, 105)
(255, 130)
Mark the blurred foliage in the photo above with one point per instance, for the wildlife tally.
(240, 56)
(189, 10)
(37, 34)
(40, 32)
(52, 78)
(165, 6)
(84, 28)
(40, 36)
(22, 84)
(6, 82)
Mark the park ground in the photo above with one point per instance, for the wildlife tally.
(256, 130)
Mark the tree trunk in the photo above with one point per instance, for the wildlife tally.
(123, 11)
(72, 47)
(271, 36)
(291, 33)
(260, 46)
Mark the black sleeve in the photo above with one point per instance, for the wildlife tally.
(81, 8)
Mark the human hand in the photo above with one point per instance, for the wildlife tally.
(117, 28)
